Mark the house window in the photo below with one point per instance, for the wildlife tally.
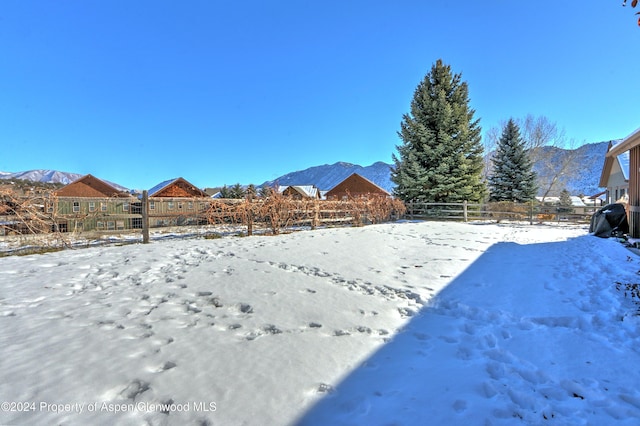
(79, 226)
(171, 205)
(120, 225)
(111, 225)
(103, 207)
(125, 206)
(49, 207)
(152, 205)
(92, 206)
(76, 206)
(100, 225)
(190, 205)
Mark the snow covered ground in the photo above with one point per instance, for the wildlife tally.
(403, 323)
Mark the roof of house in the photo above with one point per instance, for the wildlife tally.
(305, 190)
(627, 143)
(187, 187)
(622, 158)
(91, 187)
(575, 201)
(356, 184)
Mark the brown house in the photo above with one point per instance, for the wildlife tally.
(177, 202)
(632, 144)
(355, 186)
(89, 203)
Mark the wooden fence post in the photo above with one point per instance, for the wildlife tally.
(531, 213)
(249, 202)
(145, 217)
(464, 210)
(316, 214)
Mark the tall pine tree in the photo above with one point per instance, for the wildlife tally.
(440, 159)
(512, 178)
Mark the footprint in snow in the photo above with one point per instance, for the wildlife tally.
(134, 389)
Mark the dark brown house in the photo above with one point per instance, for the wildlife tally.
(355, 186)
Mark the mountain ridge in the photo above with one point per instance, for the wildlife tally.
(326, 176)
(590, 158)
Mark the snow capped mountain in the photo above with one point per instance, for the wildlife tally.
(45, 176)
(327, 176)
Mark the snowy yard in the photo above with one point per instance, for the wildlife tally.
(403, 323)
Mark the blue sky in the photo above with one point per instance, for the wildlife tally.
(219, 92)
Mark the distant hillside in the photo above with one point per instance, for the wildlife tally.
(589, 160)
(329, 175)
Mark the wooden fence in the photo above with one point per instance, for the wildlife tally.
(278, 212)
(271, 214)
(500, 211)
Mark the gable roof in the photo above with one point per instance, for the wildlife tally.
(176, 187)
(90, 186)
(356, 185)
(627, 143)
(622, 158)
(309, 191)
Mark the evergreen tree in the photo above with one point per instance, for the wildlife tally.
(440, 159)
(512, 178)
(225, 192)
(566, 205)
(265, 191)
(251, 192)
(237, 191)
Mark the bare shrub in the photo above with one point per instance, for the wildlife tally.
(25, 216)
(501, 210)
(385, 209)
(277, 211)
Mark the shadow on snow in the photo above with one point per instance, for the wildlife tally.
(484, 350)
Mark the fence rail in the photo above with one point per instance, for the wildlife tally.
(499, 211)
